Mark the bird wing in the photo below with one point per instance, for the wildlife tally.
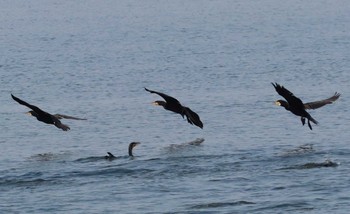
(320, 103)
(192, 117)
(167, 98)
(289, 96)
(34, 108)
(62, 116)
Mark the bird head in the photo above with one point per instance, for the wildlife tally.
(131, 146)
(281, 103)
(158, 103)
(278, 103)
(31, 113)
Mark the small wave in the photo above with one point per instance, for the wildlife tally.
(196, 142)
(42, 157)
(300, 150)
(221, 204)
(122, 171)
(326, 163)
(49, 156)
(26, 183)
(297, 206)
(110, 170)
(230, 179)
(30, 179)
(90, 159)
(101, 158)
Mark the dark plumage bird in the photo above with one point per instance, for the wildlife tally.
(46, 117)
(297, 107)
(110, 156)
(174, 105)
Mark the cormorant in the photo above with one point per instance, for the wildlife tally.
(297, 107)
(174, 105)
(46, 117)
(110, 156)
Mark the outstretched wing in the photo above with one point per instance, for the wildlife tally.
(167, 98)
(289, 96)
(34, 108)
(62, 116)
(320, 103)
(192, 117)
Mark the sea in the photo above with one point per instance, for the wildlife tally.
(93, 58)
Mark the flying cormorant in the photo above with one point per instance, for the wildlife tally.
(46, 117)
(110, 156)
(174, 105)
(297, 107)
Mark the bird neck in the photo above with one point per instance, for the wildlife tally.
(130, 151)
(284, 104)
(33, 113)
(160, 103)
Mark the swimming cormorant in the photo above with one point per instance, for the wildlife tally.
(46, 117)
(174, 105)
(110, 156)
(297, 107)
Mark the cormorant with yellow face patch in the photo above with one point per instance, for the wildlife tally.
(297, 107)
(46, 117)
(174, 105)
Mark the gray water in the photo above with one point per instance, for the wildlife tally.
(92, 59)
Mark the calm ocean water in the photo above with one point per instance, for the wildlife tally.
(92, 59)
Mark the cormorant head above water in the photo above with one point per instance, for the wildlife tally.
(175, 106)
(110, 156)
(297, 107)
(131, 147)
(45, 116)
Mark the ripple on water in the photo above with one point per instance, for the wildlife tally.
(220, 204)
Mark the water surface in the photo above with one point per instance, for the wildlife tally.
(92, 59)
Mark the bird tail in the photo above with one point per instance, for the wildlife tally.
(309, 118)
(193, 118)
(110, 155)
(62, 126)
(312, 119)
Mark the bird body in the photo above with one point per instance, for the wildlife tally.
(45, 116)
(172, 104)
(297, 107)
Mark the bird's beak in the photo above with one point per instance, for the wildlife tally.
(277, 103)
(28, 113)
(155, 103)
